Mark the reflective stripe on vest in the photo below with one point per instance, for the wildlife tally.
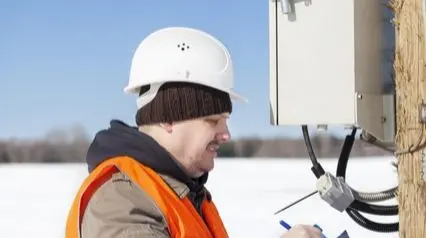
(182, 218)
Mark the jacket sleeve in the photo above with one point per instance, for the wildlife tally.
(119, 209)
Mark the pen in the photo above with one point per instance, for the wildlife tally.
(285, 225)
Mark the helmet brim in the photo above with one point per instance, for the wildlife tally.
(233, 94)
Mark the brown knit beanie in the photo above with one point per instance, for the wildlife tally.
(178, 101)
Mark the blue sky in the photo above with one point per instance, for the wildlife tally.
(66, 62)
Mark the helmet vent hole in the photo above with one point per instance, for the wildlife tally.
(183, 46)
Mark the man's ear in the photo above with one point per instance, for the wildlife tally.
(167, 126)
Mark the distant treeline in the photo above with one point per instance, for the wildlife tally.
(66, 146)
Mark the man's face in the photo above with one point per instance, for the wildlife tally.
(197, 142)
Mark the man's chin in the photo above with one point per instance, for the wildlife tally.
(207, 168)
(211, 154)
(198, 174)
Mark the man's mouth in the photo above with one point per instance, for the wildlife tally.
(213, 146)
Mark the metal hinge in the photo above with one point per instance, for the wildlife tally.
(287, 6)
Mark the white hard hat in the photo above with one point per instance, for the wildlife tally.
(179, 54)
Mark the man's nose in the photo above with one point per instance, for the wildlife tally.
(224, 136)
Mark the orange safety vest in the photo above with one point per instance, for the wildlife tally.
(182, 218)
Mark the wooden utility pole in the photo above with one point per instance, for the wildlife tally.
(410, 85)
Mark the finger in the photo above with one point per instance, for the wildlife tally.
(322, 235)
(309, 230)
(314, 231)
(318, 227)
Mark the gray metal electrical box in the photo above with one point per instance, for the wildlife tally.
(331, 64)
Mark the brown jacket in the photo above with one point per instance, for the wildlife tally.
(120, 209)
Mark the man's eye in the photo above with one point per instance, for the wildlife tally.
(212, 121)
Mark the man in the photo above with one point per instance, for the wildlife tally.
(148, 181)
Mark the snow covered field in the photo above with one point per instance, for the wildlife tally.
(34, 199)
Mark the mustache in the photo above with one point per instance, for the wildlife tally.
(213, 142)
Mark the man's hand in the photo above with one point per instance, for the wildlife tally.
(302, 231)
